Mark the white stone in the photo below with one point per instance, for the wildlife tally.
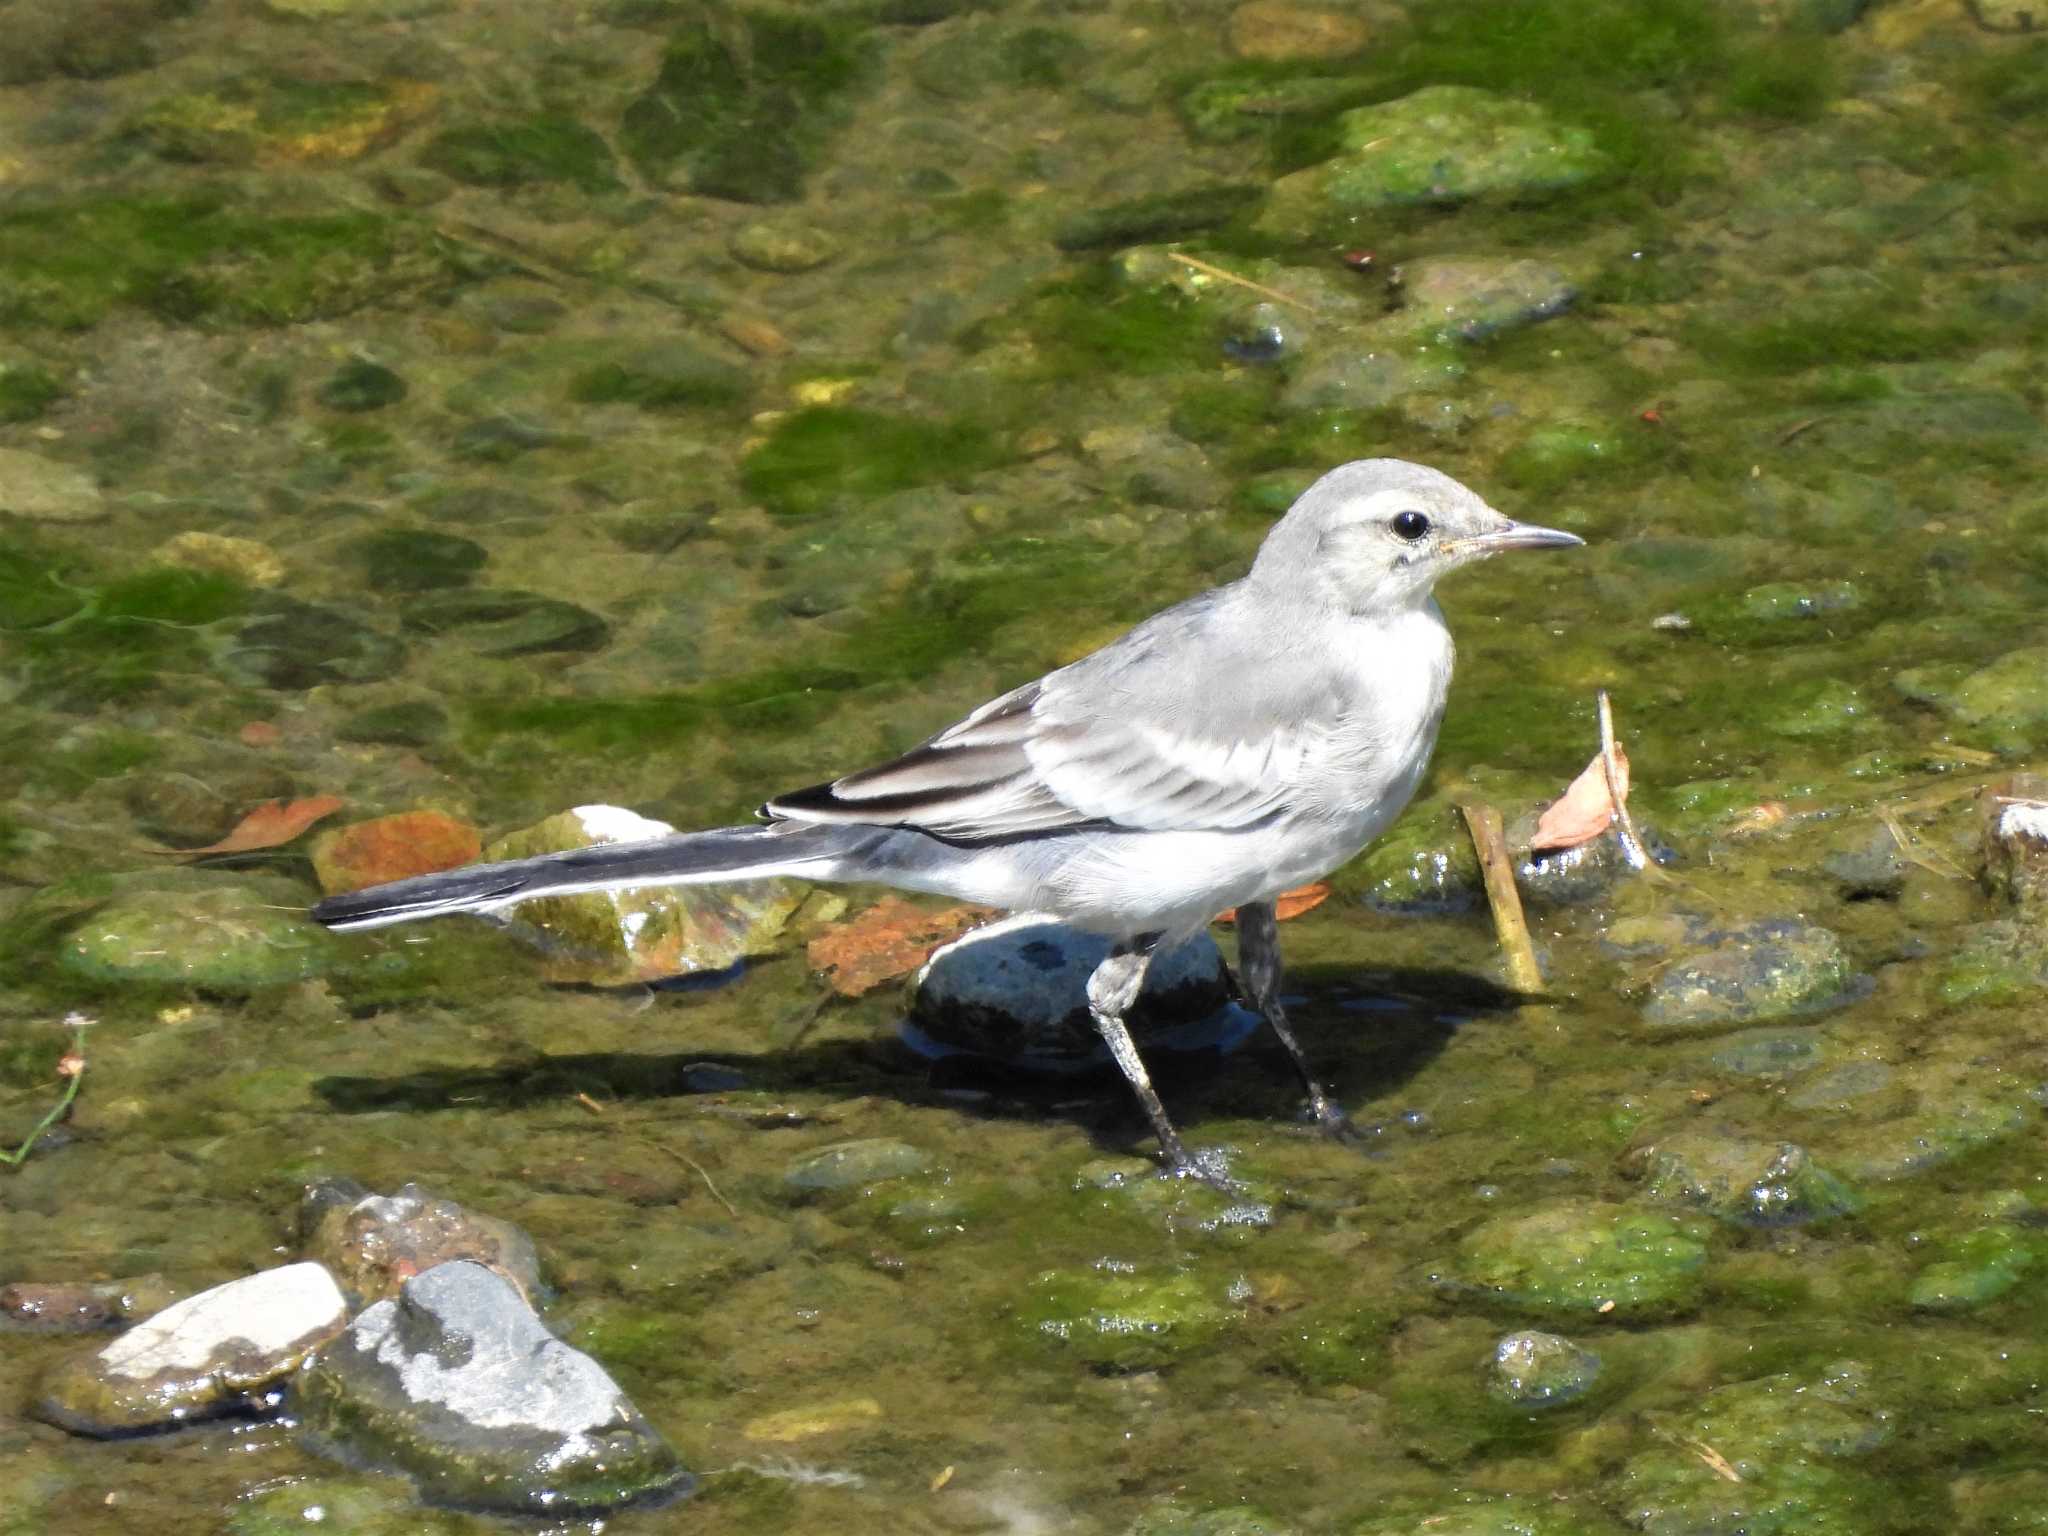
(616, 824)
(46, 490)
(276, 1313)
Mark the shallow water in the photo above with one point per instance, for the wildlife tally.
(414, 295)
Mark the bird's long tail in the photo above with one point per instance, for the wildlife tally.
(690, 858)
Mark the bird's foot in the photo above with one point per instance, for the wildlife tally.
(1209, 1166)
(1332, 1121)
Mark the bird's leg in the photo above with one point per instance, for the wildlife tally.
(1112, 989)
(1258, 959)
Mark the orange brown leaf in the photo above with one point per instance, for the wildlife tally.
(1585, 809)
(892, 938)
(393, 848)
(270, 825)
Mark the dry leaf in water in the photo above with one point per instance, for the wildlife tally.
(1303, 898)
(1585, 809)
(272, 823)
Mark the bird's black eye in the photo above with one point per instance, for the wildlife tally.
(1410, 525)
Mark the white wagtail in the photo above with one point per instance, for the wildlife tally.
(1234, 746)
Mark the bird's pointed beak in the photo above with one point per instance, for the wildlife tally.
(1517, 536)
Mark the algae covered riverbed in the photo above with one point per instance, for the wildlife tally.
(476, 410)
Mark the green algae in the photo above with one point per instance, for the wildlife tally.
(199, 259)
(524, 152)
(746, 101)
(243, 120)
(27, 391)
(827, 457)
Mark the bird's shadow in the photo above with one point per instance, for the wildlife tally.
(1366, 1032)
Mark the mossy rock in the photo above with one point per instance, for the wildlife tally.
(2010, 694)
(1124, 1322)
(1977, 1268)
(495, 622)
(1443, 144)
(668, 376)
(198, 928)
(524, 152)
(2004, 961)
(1748, 1183)
(747, 100)
(1583, 1256)
(64, 265)
(27, 390)
(361, 385)
(415, 559)
(1766, 970)
(279, 118)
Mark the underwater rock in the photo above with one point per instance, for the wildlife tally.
(415, 559)
(854, 1164)
(1585, 1256)
(199, 1357)
(1015, 991)
(785, 246)
(1161, 216)
(373, 1244)
(1532, 1369)
(45, 490)
(248, 561)
(1763, 970)
(392, 847)
(2009, 696)
(1941, 1104)
(1782, 1438)
(1978, 1267)
(360, 385)
(217, 932)
(640, 933)
(2004, 961)
(291, 645)
(1442, 144)
(457, 1384)
(1280, 30)
(663, 376)
(1473, 297)
(1750, 1183)
(505, 623)
(1121, 1318)
(82, 1306)
(1866, 863)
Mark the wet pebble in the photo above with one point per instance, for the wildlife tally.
(1532, 1369)
(373, 1244)
(1281, 30)
(288, 644)
(197, 1358)
(415, 559)
(855, 1164)
(360, 385)
(1016, 991)
(1118, 1316)
(507, 623)
(1762, 970)
(457, 1384)
(782, 245)
(80, 1306)
(2003, 961)
(248, 561)
(1473, 297)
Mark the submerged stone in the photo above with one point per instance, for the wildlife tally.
(197, 1358)
(1941, 1104)
(373, 1243)
(1284, 31)
(666, 376)
(2010, 694)
(1161, 216)
(494, 622)
(1473, 297)
(393, 847)
(1532, 1369)
(855, 1164)
(1016, 991)
(1117, 1317)
(1765, 970)
(782, 246)
(199, 928)
(2004, 961)
(291, 645)
(1585, 1256)
(1979, 1267)
(361, 385)
(640, 933)
(457, 1384)
(1218, 111)
(415, 559)
(1750, 1183)
(46, 490)
(1442, 144)
(248, 561)
(83, 1306)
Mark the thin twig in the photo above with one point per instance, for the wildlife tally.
(701, 1171)
(1625, 829)
(1243, 282)
(1909, 846)
(1498, 871)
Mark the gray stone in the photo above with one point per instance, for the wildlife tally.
(1473, 297)
(458, 1384)
(1764, 970)
(374, 1243)
(1532, 1369)
(1750, 1183)
(198, 1358)
(1017, 990)
(45, 490)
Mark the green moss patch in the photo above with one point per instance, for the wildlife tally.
(524, 153)
(818, 459)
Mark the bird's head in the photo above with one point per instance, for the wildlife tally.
(1377, 533)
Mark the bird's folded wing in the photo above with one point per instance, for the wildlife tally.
(1067, 752)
